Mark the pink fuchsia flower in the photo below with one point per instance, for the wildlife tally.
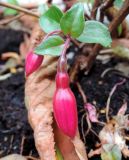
(65, 108)
(33, 62)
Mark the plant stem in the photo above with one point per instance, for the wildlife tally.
(110, 95)
(51, 33)
(62, 63)
(124, 11)
(107, 4)
(9, 20)
(82, 93)
(66, 45)
(18, 8)
(95, 8)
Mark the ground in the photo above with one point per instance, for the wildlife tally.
(14, 127)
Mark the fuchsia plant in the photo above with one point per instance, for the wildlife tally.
(61, 27)
(64, 102)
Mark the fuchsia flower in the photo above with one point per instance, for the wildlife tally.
(64, 102)
(33, 62)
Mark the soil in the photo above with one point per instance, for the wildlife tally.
(14, 127)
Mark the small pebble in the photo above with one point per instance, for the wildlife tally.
(94, 102)
(5, 139)
(100, 82)
(102, 111)
(15, 147)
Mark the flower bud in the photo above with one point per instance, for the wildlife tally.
(33, 62)
(65, 108)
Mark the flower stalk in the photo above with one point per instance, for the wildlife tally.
(64, 102)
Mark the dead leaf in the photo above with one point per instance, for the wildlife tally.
(39, 91)
(24, 46)
(13, 157)
(28, 21)
(79, 148)
(31, 42)
(122, 110)
(94, 152)
(123, 67)
(125, 152)
(121, 42)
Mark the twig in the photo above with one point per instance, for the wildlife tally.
(110, 95)
(90, 127)
(20, 9)
(126, 137)
(87, 16)
(76, 42)
(104, 7)
(124, 11)
(11, 143)
(94, 152)
(9, 20)
(31, 158)
(115, 71)
(22, 144)
(4, 77)
(95, 8)
(81, 92)
(106, 51)
(106, 71)
(82, 119)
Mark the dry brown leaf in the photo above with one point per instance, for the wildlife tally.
(24, 46)
(121, 42)
(36, 36)
(125, 152)
(39, 91)
(79, 148)
(94, 152)
(122, 110)
(13, 157)
(30, 42)
(28, 21)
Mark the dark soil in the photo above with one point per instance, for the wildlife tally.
(10, 40)
(14, 125)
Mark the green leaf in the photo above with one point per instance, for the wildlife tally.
(9, 11)
(87, 1)
(111, 153)
(42, 8)
(116, 153)
(119, 28)
(121, 52)
(50, 20)
(95, 32)
(106, 156)
(51, 46)
(73, 21)
(58, 154)
(118, 3)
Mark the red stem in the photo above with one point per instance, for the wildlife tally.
(51, 33)
(66, 45)
(62, 63)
